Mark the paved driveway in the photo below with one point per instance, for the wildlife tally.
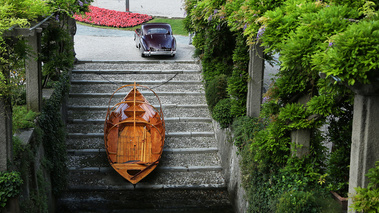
(93, 43)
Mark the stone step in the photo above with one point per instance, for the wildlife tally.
(168, 134)
(165, 177)
(106, 87)
(142, 79)
(99, 112)
(167, 120)
(100, 99)
(188, 178)
(135, 71)
(170, 142)
(200, 158)
(138, 65)
(95, 125)
(147, 199)
(144, 93)
(165, 151)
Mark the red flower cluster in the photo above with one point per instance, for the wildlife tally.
(111, 18)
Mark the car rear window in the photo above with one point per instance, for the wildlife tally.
(157, 31)
(148, 30)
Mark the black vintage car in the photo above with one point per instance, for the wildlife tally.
(155, 39)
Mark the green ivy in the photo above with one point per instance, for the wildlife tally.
(367, 199)
(221, 113)
(244, 128)
(215, 91)
(10, 183)
(54, 134)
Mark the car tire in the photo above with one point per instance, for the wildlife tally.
(142, 55)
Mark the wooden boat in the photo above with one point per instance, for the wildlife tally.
(134, 133)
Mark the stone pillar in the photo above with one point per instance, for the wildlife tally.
(255, 83)
(33, 72)
(365, 139)
(301, 139)
(5, 133)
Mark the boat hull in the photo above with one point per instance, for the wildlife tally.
(134, 133)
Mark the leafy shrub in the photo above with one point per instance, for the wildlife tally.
(221, 113)
(10, 183)
(367, 199)
(244, 128)
(23, 118)
(305, 202)
(216, 91)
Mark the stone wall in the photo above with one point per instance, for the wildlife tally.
(231, 168)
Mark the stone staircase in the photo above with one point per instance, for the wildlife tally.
(189, 175)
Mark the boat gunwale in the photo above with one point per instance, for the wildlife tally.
(135, 121)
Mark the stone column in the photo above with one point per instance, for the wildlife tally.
(301, 138)
(33, 72)
(255, 83)
(365, 137)
(5, 133)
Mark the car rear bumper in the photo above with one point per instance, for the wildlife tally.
(162, 52)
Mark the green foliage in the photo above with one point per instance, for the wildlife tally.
(54, 134)
(215, 91)
(69, 7)
(38, 201)
(26, 9)
(18, 147)
(340, 129)
(244, 128)
(20, 13)
(305, 201)
(57, 52)
(353, 57)
(10, 183)
(23, 118)
(367, 199)
(338, 38)
(237, 82)
(221, 113)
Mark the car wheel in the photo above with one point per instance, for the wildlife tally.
(142, 55)
(173, 55)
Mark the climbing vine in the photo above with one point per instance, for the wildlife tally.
(323, 46)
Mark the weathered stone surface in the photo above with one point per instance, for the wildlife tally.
(189, 175)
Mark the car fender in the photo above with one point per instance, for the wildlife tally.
(143, 44)
(173, 44)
